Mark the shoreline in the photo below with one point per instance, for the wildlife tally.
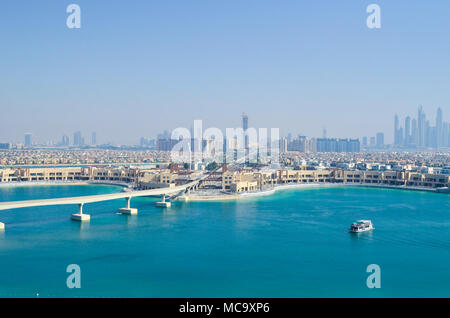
(58, 183)
(271, 191)
(223, 196)
(202, 198)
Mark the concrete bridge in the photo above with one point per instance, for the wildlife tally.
(80, 201)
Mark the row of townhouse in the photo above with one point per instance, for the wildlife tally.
(234, 181)
(156, 179)
(393, 178)
(43, 174)
(69, 174)
(125, 175)
(243, 181)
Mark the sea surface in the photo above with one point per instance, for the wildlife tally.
(293, 243)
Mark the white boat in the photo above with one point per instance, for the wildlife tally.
(361, 226)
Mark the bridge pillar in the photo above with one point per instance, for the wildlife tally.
(186, 194)
(128, 210)
(163, 203)
(2, 226)
(80, 216)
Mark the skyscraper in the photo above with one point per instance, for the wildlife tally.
(337, 145)
(439, 134)
(407, 139)
(413, 132)
(283, 144)
(400, 134)
(143, 142)
(380, 139)
(446, 134)
(396, 131)
(364, 141)
(65, 140)
(77, 140)
(420, 127)
(427, 134)
(94, 139)
(245, 127)
(28, 140)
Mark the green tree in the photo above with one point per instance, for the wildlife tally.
(212, 166)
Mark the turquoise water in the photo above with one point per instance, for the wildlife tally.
(291, 244)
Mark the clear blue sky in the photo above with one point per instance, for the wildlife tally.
(138, 67)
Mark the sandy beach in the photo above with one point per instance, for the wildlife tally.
(271, 191)
(218, 195)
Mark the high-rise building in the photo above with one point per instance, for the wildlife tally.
(298, 144)
(396, 129)
(65, 140)
(289, 137)
(4, 146)
(353, 145)
(420, 127)
(165, 144)
(147, 143)
(446, 135)
(397, 135)
(283, 144)
(407, 138)
(164, 141)
(380, 139)
(427, 134)
(414, 132)
(77, 139)
(364, 141)
(143, 142)
(28, 140)
(439, 126)
(244, 128)
(244, 121)
(94, 138)
(337, 145)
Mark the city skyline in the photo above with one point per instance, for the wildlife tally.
(419, 131)
(377, 140)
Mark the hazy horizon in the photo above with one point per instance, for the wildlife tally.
(136, 69)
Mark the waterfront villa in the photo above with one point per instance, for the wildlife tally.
(237, 181)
